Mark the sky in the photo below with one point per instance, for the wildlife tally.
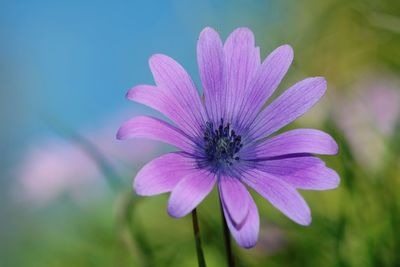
(73, 61)
(69, 64)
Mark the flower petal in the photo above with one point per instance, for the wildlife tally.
(247, 235)
(265, 82)
(303, 172)
(210, 58)
(293, 103)
(295, 141)
(162, 174)
(177, 84)
(189, 192)
(241, 64)
(235, 197)
(163, 102)
(280, 194)
(152, 128)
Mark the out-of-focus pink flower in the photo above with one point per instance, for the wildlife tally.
(56, 166)
(368, 115)
(384, 101)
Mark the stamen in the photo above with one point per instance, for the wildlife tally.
(222, 144)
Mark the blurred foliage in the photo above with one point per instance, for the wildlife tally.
(355, 225)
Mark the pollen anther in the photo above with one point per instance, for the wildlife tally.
(222, 144)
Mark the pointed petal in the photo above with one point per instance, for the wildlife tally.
(235, 197)
(281, 195)
(162, 174)
(160, 100)
(247, 235)
(303, 172)
(293, 103)
(293, 142)
(266, 80)
(152, 128)
(172, 78)
(210, 58)
(189, 192)
(241, 62)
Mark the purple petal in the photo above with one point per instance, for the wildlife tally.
(306, 172)
(293, 142)
(265, 81)
(247, 235)
(171, 78)
(210, 57)
(189, 192)
(257, 56)
(235, 197)
(293, 103)
(163, 102)
(152, 128)
(281, 195)
(241, 65)
(162, 174)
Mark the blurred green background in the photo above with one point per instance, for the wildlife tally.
(65, 184)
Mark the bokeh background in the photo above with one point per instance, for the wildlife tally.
(65, 184)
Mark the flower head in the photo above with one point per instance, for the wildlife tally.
(225, 139)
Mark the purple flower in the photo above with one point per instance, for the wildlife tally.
(222, 140)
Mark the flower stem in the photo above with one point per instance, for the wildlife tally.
(199, 249)
(227, 239)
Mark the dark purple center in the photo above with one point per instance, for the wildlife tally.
(222, 144)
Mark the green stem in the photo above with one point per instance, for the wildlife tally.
(199, 249)
(227, 238)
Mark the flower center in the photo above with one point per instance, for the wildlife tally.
(221, 144)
